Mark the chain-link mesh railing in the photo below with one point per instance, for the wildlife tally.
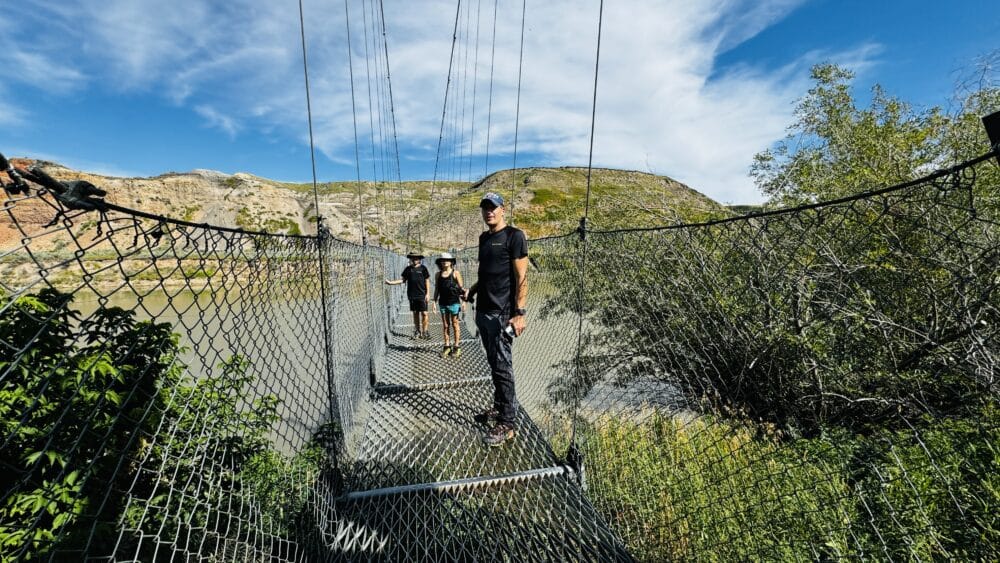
(163, 385)
(810, 383)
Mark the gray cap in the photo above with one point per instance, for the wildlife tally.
(492, 197)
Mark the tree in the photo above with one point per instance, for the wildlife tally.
(836, 148)
(862, 315)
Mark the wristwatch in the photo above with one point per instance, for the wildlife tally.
(520, 312)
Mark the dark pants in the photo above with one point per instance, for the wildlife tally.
(498, 354)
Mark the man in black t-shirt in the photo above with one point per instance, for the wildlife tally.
(418, 288)
(501, 294)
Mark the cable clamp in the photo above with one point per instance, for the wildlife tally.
(574, 460)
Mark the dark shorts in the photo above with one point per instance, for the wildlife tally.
(418, 305)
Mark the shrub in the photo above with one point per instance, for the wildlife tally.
(85, 404)
(74, 402)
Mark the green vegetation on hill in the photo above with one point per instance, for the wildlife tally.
(542, 201)
(550, 201)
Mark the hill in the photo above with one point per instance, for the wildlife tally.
(542, 201)
(432, 216)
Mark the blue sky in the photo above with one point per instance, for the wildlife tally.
(687, 89)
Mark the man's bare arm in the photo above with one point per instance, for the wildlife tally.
(521, 281)
(519, 322)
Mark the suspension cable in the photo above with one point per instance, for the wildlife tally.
(354, 118)
(312, 146)
(382, 207)
(583, 227)
(475, 83)
(392, 105)
(382, 105)
(517, 115)
(367, 277)
(320, 238)
(444, 108)
(489, 109)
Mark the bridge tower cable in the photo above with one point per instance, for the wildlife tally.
(321, 232)
(369, 275)
(489, 108)
(392, 105)
(380, 197)
(517, 116)
(475, 84)
(444, 108)
(581, 297)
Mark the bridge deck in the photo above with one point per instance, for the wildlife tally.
(423, 482)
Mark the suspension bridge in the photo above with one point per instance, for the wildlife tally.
(810, 382)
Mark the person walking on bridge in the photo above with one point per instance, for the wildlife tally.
(448, 294)
(418, 289)
(501, 292)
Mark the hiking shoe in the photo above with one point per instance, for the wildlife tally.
(499, 434)
(446, 351)
(487, 417)
(456, 352)
(416, 334)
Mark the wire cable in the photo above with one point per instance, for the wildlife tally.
(583, 225)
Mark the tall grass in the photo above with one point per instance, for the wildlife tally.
(723, 490)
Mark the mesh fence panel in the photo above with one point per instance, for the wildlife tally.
(813, 383)
(165, 392)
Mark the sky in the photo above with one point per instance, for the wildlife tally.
(687, 89)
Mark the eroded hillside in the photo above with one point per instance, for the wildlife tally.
(432, 216)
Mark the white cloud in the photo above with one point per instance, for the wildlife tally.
(10, 115)
(42, 72)
(662, 104)
(215, 118)
(657, 107)
(38, 64)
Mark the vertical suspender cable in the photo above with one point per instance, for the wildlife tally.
(475, 83)
(465, 92)
(321, 235)
(368, 278)
(392, 104)
(444, 108)
(354, 116)
(489, 108)
(517, 114)
(383, 206)
(583, 228)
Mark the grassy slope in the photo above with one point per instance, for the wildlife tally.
(549, 201)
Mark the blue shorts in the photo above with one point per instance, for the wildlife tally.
(450, 309)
